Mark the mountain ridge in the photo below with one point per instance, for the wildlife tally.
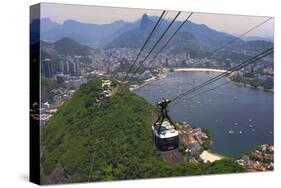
(95, 33)
(85, 33)
(133, 35)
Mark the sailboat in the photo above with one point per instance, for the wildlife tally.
(230, 132)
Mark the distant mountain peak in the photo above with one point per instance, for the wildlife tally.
(65, 39)
(47, 24)
(145, 21)
(70, 21)
(145, 16)
(46, 18)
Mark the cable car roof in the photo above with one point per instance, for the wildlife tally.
(166, 130)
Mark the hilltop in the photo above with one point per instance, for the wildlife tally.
(66, 46)
(89, 141)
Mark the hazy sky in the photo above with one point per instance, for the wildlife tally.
(100, 15)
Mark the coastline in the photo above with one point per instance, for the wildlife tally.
(147, 81)
(220, 71)
(249, 86)
(211, 156)
(199, 70)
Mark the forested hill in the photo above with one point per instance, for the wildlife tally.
(85, 141)
(66, 46)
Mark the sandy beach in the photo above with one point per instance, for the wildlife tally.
(208, 156)
(198, 69)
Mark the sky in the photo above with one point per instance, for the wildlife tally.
(233, 24)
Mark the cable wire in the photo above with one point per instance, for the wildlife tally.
(240, 36)
(149, 36)
(171, 37)
(219, 48)
(205, 91)
(239, 66)
(155, 44)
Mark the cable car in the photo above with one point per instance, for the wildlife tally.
(165, 133)
(167, 138)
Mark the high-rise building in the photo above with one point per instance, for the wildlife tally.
(77, 67)
(48, 70)
(72, 67)
(61, 66)
(66, 67)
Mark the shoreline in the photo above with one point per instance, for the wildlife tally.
(211, 156)
(220, 71)
(147, 81)
(249, 86)
(198, 70)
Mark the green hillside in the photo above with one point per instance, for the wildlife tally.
(68, 46)
(85, 141)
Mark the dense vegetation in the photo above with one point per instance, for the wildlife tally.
(109, 141)
(48, 83)
(207, 143)
(68, 46)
